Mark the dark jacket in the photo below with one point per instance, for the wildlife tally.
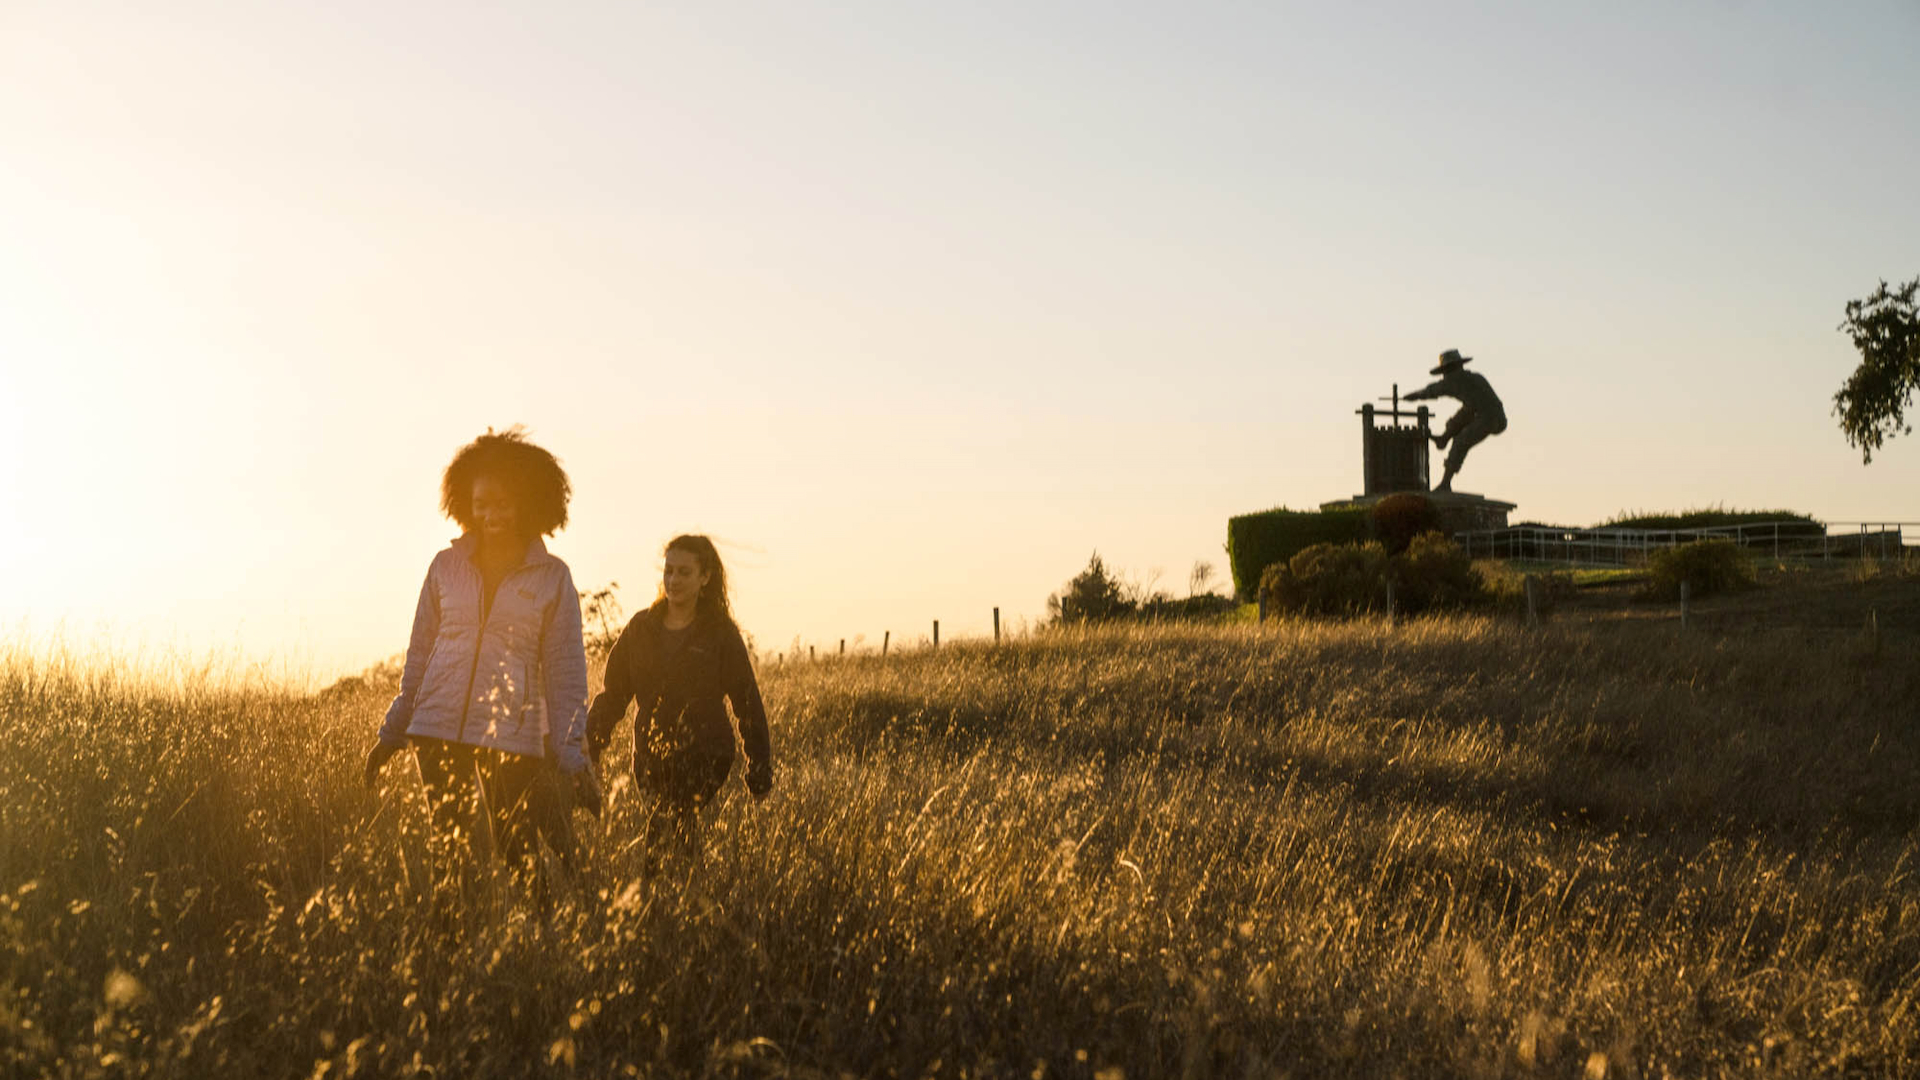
(680, 690)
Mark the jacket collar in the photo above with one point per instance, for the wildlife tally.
(703, 620)
(467, 543)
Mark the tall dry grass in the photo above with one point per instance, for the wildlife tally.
(1447, 848)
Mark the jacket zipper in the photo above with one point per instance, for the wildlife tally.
(479, 639)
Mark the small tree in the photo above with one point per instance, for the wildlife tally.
(600, 619)
(1094, 595)
(1872, 406)
(1200, 579)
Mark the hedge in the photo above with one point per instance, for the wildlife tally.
(1257, 541)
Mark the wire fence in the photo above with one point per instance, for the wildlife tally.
(1610, 546)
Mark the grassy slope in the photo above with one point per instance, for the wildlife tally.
(1449, 848)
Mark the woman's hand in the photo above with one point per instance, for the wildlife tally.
(377, 759)
(586, 791)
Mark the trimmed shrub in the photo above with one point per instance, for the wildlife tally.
(1703, 519)
(1397, 519)
(1329, 579)
(1707, 566)
(1434, 574)
(1258, 541)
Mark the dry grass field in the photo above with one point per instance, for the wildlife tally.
(1454, 847)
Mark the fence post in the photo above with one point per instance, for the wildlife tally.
(936, 633)
(996, 626)
(1528, 586)
(1686, 602)
(885, 640)
(843, 646)
(1263, 606)
(1390, 609)
(809, 654)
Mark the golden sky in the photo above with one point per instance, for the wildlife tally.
(912, 307)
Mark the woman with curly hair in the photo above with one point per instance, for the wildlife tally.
(496, 671)
(683, 660)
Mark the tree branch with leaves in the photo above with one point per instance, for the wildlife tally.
(1872, 406)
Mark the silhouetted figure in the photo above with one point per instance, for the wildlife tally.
(496, 671)
(1479, 416)
(683, 660)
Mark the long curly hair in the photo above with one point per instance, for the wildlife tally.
(540, 486)
(714, 599)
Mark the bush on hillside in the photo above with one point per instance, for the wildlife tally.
(1435, 574)
(1707, 566)
(1198, 606)
(1329, 579)
(1094, 595)
(1398, 519)
(1704, 519)
(1258, 541)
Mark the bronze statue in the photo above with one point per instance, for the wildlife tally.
(1479, 416)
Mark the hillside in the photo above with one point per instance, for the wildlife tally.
(1453, 847)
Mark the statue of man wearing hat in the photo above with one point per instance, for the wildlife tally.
(1479, 416)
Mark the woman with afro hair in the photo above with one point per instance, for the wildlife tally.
(496, 671)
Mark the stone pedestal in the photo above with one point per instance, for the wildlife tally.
(1459, 511)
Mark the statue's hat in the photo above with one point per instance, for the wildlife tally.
(1449, 360)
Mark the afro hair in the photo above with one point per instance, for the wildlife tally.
(539, 485)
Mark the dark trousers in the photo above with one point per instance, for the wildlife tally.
(515, 797)
(676, 786)
(1467, 429)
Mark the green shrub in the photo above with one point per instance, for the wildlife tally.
(1707, 518)
(1397, 519)
(1199, 606)
(1093, 595)
(1434, 574)
(1329, 579)
(1707, 566)
(1257, 541)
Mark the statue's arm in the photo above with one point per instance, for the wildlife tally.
(1427, 393)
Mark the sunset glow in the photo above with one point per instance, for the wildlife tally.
(912, 309)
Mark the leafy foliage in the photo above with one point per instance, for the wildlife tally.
(601, 619)
(1432, 574)
(1435, 574)
(1329, 579)
(1872, 405)
(1257, 541)
(1093, 595)
(1397, 519)
(1097, 594)
(1703, 518)
(1707, 566)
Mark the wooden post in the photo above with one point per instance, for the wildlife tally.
(936, 633)
(1390, 612)
(809, 654)
(1263, 606)
(885, 640)
(996, 626)
(1686, 601)
(1528, 585)
(843, 646)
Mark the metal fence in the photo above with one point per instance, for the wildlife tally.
(1609, 546)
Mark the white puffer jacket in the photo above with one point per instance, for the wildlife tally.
(506, 683)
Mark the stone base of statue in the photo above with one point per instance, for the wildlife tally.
(1459, 511)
